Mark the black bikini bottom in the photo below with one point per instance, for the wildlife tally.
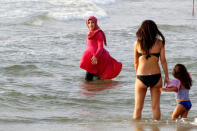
(149, 80)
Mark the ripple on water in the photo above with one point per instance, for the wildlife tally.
(24, 70)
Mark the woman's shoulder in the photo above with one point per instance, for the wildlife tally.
(159, 41)
(136, 44)
(100, 35)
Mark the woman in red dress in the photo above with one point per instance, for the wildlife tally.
(96, 60)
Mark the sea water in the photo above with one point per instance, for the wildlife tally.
(41, 84)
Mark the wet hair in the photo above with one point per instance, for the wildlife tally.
(147, 34)
(180, 72)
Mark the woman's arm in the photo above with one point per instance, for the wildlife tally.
(164, 63)
(100, 45)
(136, 58)
(99, 49)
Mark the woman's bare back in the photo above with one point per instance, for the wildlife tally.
(149, 64)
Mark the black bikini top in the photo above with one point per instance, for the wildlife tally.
(149, 55)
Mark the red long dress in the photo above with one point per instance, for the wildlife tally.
(107, 67)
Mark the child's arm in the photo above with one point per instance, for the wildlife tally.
(172, 89)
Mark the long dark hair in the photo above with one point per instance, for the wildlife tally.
(147, 34)
(180, 72)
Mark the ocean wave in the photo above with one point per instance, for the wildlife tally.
(54, 9)
(21, 67)
(75, 9)
(24, 71)
(37, 19)
(103, 2)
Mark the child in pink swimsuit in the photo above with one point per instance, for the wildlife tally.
(96, 60)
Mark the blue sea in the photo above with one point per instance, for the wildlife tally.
(42, 87)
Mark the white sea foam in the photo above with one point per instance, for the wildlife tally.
(54, 9)
(194, 122)
(103, 2)
(75, 9)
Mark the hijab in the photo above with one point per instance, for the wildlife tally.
(96, 30)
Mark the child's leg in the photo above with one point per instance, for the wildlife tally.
(187, 105)
(178, 111)
(184, 115)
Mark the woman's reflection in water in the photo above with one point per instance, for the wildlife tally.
(138, 126)
(92, 88)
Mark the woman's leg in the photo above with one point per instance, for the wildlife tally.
(140, 93)
(155, 98)
(89, 76)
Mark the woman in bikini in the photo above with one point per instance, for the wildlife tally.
(148, 50)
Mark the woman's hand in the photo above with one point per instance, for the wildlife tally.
(163, 89)
(94, 60)
(166, 81)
